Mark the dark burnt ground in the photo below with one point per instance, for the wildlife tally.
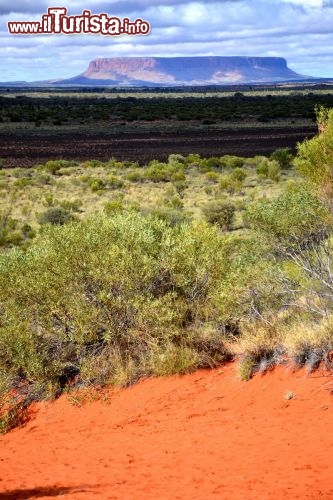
(34, 147)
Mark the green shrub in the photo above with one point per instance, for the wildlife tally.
(158, 172)
(262, 168)
(292, 220)
(10, 231)
(238, 174)
(175, 202)
(93, 164)
(49, 200)
(170, 359)
(176, 159)
(23, 182)
(180, 187)
(269, 169)
(22, 173)
(274, 171)
(212, 176)
(113, 206)
(71, 205)
(212, 163)
(97, 185)
(124, 284)
(28, 231)
(246, 368)
(255, 161)
(192, 160)
(225, 183)
(55, 216)
(230, 161)
(314, 158)
(171, 216)
(114, 182)
(53, 166)
(220, 213)
(178, 176)
(255, 287)
(113, 163)
(283, 157)
(135, 176)
(43, 179)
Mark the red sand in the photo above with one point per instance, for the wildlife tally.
(205, 435)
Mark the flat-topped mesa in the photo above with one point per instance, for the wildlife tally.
(120, 63)
(201, 70)
(131, 63)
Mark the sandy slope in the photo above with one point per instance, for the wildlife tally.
(201, 436)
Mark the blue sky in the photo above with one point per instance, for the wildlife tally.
(300, 31)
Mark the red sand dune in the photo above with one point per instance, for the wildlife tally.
(201, 436)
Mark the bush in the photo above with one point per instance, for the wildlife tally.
(135, 176)
(314, 158)
(175, 202)
(170, 215)
(254, 288)
(292, 220)
(192, 160)
(180, 187)
(10, 232)
(97, 185)
(212, 163)
(283, 157)
(212, 177)
(177, 159)
(158, 172)
(220, 213)
(262, 168)
(43, 179)
(23, 182)
(225, 183)
(273, 171)
(53, 166)
(106, 296)
(114, 182)
(230, 161)
(55, 216)
(93, 164)
(113, 206)
(178, 176)
(71, 206)
(238, 175)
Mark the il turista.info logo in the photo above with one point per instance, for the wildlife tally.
(57, 22)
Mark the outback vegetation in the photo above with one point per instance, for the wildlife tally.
(42, 124)
(59, 110)
(112, 271)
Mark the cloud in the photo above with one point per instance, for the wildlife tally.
(301, 30)
(21, 6)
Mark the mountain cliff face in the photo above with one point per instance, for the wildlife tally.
(173, 71)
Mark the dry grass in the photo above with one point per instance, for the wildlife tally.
(25, 194)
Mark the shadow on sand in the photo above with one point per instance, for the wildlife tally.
(48, 491)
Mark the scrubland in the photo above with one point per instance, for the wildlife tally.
(113, 271)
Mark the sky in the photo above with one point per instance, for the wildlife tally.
(300, 31)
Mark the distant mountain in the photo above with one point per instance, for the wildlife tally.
(179, 71)
(175, 71)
